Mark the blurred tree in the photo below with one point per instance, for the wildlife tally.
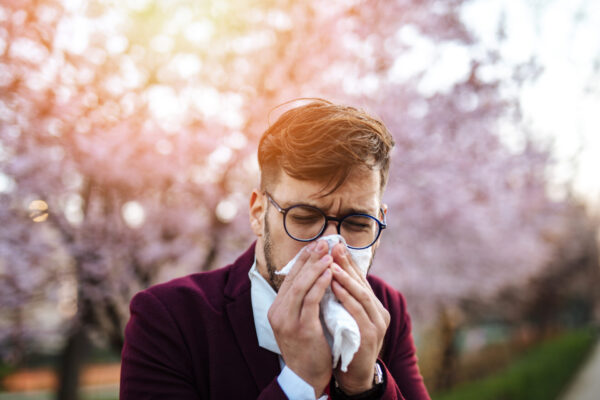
(565, 293)
(128, 135)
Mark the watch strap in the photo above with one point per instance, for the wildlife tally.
(376, 392)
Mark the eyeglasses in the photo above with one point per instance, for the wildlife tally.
(305, 223)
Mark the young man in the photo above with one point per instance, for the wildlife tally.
(246, 332)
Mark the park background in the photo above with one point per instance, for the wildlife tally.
(128, 134)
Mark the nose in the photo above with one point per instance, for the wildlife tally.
(330, 228)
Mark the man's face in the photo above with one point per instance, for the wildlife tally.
(360, 193)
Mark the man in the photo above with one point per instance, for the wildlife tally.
(206, 336)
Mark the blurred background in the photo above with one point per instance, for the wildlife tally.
(128, 135)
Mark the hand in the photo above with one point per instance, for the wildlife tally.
(294, 317)
(355, 294)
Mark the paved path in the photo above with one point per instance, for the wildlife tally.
(102, 392)
(586, 385)
(99, 382)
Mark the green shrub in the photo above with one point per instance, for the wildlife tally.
(541, 373)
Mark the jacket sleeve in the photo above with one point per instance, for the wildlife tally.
(155, 363)
(403, 379)
(272, 392)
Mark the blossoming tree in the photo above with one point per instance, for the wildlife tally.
(128, 135)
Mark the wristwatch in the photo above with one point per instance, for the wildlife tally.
(374, 393)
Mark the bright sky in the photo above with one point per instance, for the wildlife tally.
(563, 104)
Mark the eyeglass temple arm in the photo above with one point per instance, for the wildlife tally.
(384, 222)
(275, 204)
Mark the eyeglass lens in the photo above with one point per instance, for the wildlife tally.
(306, 223)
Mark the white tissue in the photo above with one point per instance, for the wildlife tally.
(340, 328)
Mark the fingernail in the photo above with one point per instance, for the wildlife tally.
(326, 258)
(322, 245)
(311, 246)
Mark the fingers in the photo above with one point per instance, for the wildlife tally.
(358, 299)
(310, 252)
(373, 324)
(342, 257)
(304, 256)
(295, 287)
(310, 306)
(350, 303)
(304, 282)
(355, 283)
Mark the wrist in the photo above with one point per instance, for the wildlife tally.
(296, 387)
(372, 389)
(319, 388)
(353, 388)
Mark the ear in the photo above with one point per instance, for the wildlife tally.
(257, 212)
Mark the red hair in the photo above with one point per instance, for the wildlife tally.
(323, 142)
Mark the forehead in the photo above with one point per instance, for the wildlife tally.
(360, 192)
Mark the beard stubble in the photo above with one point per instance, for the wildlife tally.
(274, 280)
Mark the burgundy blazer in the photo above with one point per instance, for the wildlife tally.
(194, 338)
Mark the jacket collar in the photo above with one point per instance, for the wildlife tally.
(237, 281)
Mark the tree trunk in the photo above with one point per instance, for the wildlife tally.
(214, 248)
(72, 359)
(445, 376)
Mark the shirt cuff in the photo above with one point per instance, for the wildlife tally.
(295, 387)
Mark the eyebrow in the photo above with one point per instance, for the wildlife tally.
(356, 211)
(346, 211)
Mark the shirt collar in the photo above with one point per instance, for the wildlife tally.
(262, 295)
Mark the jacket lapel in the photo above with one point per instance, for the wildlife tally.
(263, 364)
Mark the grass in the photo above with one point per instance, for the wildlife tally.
(541, 373)
(5, 370)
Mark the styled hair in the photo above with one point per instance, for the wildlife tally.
(324, 142)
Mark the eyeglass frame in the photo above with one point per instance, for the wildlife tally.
(284, 211)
